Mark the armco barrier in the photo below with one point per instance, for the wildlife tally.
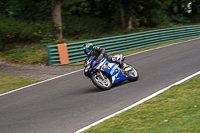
(122, 43)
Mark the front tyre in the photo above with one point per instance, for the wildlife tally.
(103, 84)
(133, 75)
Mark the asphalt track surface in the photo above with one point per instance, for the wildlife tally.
(71, 102)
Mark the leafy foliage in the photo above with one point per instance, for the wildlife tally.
(29, 10)
(31, 20)
(13, 30)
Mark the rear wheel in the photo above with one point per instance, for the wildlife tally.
(98, 81)
(133, 75)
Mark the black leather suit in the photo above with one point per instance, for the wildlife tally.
(99, 53)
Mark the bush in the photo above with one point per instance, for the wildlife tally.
(195, 19)
(159, 18)
(18, 31)
(46, 32)
(13, 30)
(27, 54)
(76, 26)
(179, 18)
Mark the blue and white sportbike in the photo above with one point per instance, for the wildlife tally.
(104, 74)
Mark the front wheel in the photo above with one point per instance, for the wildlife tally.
(98, 81)
(133, 75)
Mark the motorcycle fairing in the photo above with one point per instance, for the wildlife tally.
(113, 70)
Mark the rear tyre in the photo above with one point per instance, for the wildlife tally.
(133, 75)
(103, 84)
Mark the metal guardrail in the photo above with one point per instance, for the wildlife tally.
(117, 44)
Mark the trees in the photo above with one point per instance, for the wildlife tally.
(195, 7)
(57, 19)
(89, 18)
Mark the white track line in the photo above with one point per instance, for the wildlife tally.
(139, 102)
(40, 82)
(82, 69)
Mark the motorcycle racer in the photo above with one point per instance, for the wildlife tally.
(99, 53)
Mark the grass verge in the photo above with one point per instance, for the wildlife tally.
(11, 82)
(28, 54)
(175, 111)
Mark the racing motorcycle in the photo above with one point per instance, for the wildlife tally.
(104, 74)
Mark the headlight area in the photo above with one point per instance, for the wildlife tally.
(87, 67)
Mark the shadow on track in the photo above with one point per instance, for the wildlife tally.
(97, 90)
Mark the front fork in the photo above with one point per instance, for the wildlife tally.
(101, 75)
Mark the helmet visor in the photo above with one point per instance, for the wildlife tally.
(86, 50)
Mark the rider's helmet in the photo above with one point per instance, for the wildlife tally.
(87, 47)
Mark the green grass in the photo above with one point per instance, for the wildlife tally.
(11, 82)
(28, 54)
(177, 110)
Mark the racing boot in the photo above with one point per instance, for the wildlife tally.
(126, 67)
